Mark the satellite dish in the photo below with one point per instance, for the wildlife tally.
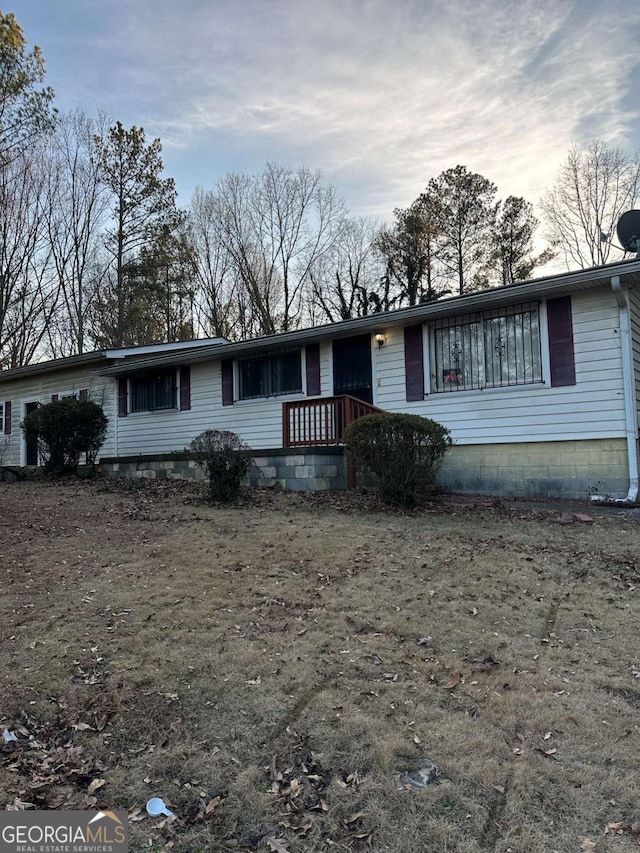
(628, 231)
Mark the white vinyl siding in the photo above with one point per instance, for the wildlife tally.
(592, 408)
(258, 422)
(40, 388)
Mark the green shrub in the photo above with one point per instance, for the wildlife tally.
(64, 431)
(225, 459)
(404, 452)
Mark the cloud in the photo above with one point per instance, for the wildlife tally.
(381, 96)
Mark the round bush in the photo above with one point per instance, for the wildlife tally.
(64, 431)
(404, 452)
(225, 459)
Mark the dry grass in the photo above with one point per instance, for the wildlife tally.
(263, 660)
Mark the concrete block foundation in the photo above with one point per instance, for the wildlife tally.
(545, 469)
(315, 469)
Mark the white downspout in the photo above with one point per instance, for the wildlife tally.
(628, 383)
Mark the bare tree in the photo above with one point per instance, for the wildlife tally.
(26, 297)
(582, 209)
(346, 279)
(275, 227)
(216, 298)
(28, 294)
(78, 206)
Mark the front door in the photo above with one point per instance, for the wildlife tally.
(352, 368)
(31, 444)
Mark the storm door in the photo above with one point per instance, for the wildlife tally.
(352, 368)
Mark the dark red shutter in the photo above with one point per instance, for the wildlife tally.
(185, 388)
(227, 383)
(561, 355)
(54, 398)
(122, 397)
(7, 418)
(83, 394)
(313, 370)
(414, 362)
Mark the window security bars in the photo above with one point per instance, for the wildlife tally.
(490, 349)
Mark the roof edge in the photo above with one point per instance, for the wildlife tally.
(467, 303)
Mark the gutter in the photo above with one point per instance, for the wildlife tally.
(628, 383)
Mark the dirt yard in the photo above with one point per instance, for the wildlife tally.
(281, 670)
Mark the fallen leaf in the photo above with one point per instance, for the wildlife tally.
(499, 789)
(587, 845)
(272, 770)
(18, 806)
(136, 815)
(97, 783)
(212, 805)
(354, 817)
(614, 828)
(454, 680)
(277, 844)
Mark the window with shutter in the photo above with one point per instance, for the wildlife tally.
(185, 388)
(123, 397)
(414, 363)
(561, 353)
(7, 418)
(227, 383)
(312, 354)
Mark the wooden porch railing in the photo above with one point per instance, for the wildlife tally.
(321, 420)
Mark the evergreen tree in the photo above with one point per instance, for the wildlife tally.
(462, 204)
(141, 202)
(25, 105)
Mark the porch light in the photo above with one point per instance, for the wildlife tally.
(380, 340)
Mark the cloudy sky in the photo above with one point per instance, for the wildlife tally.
(379, 95)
